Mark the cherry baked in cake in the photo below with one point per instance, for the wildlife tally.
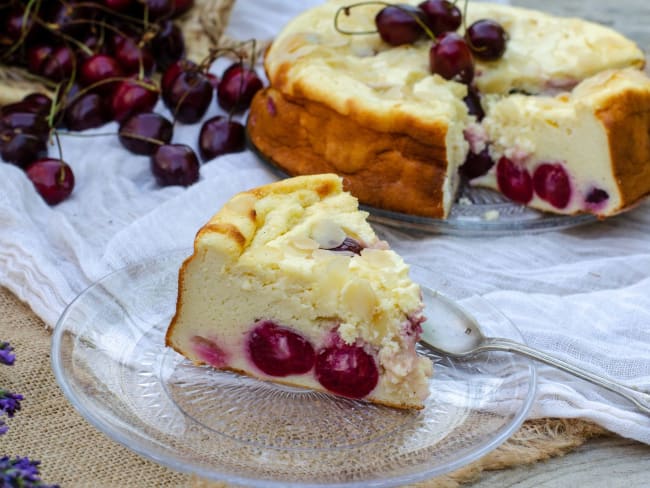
(289, 283)
(552, 112)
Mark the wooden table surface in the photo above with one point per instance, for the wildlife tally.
(600, 463)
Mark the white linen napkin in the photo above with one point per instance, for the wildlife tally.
(583, 294)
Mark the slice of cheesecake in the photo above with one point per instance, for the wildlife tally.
(289, 283)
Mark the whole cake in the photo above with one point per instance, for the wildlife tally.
(289, 283)
(559, 122)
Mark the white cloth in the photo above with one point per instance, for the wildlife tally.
(583, 294)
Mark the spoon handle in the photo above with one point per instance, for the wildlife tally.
(639, 398)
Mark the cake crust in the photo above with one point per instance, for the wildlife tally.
(395, 170)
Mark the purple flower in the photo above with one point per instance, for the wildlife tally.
(20, 472)
(6, 357)
(3, 427)
(9, 402)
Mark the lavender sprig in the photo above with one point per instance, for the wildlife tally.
(21, 472)
(9, 402)
(6, 357)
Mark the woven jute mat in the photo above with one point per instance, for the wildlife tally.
(74, 454)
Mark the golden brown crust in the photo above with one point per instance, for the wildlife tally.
(626, 118)
(400, 170)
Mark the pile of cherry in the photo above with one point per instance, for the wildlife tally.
(100, 59)
(451, 55)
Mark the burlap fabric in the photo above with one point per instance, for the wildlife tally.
(75, 454)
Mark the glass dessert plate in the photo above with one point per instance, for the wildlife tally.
(476, 212)
(109, 358)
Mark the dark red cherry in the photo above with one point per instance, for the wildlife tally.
(172, 72)
(346, 370)
(189, 96)
(86, 112)
(118, 5)
(98, 68)
(175, 164)
(59, 65)
(451, 58)
(38, 102)
(238, 85)
(22, 121)
(36, 57)
(551, 183)
(168, 46)
(476, 165)
(132, 97)
(441, 16)
(597, 196)
(52, 178)
(514, 181)
(349, 245)
(398, 24)
(132, 57)
(22, 148)
(142, 133)
(219, 135)
(279, 351)
(487, 39)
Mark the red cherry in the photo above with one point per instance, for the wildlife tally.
(451, 58)
(86, 112)
(133, 96)
(36, 57)
(169, 45)
(52, 178)
(237, 87)
(142, 133)
(131, 56)
(172, 72)
(59, 65)
(189, 96)
(398, 24)
(175, 164)
(476, 165)
(346, 369)
(486, 39)
(551, 183)
(219, 135)
(118, 5)
(514, 181)
(22, 148)
(98, 68)
(441, 16)
(279, 351)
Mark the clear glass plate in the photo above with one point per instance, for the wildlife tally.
(110, 360)
(476, 212)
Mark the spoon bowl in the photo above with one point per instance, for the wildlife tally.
(452, 331)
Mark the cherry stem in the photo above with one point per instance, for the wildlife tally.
(346, 9)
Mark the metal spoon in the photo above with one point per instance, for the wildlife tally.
(462, 337)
